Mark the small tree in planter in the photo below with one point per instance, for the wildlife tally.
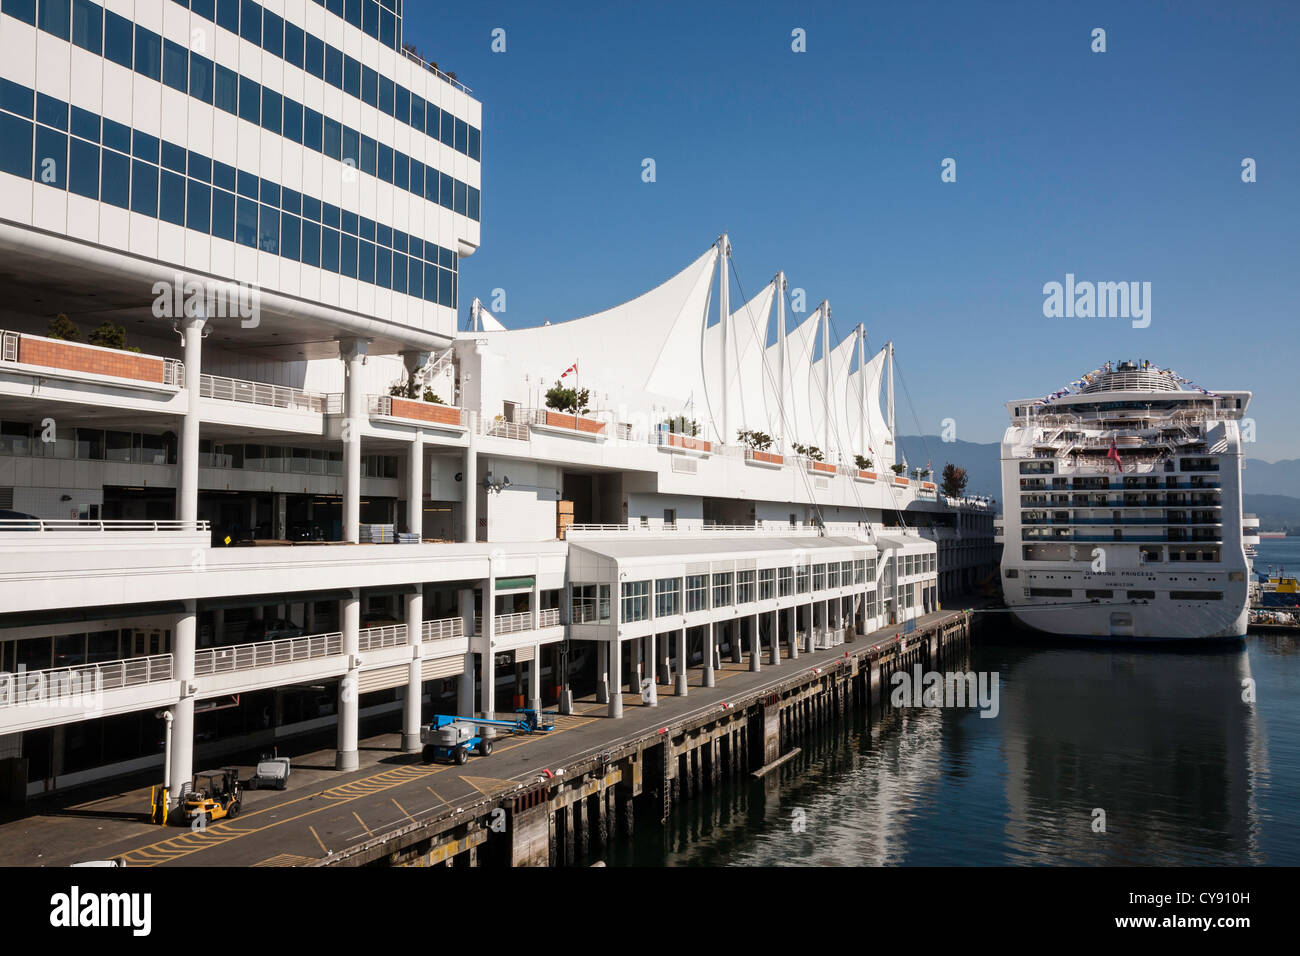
(571, 401)
(863, 462)
(110, 336)
(898, 469)
(758, 441)
(809, 451)
(924, 472)
(410, 388)
(64, 329)
(954, 480)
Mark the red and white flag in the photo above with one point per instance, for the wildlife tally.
(572, 368)
(1114, 453)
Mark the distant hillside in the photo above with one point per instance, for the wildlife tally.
(1276, 512)
(1273, 477)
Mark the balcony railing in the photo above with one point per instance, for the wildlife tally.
(260, 393)
(246, 657)
(500, 428)
(444, 628)
(82, 682)
(551, 419)
(374, 638)
(548, 617)
(87, 524)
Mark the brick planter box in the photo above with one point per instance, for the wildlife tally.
(928, 486)
(902, 482)
(821, 468)
(687, 442)
(866, 475)
(574, 423)
(426, 412)
(763, 457)
(75, 357)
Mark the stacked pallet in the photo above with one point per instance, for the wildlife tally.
(406, 537)
(376, 534)
(563, 518)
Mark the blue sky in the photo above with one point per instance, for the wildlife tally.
(1115, 166)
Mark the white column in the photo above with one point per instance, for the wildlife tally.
(465, 608)
(349, 705)
(415, 486)
(862, 392)
(535, 679)
(681, 685)
(488, 650)
(710, 644)
(181, 767)
(188, 456)
(890, 403)
(615, 678)
(755, 648)
(602, 672)
(355, 415)
(653, 699)
(469, 483)
(412, 703)
(778, 427)
(794, 633)
(776, 636)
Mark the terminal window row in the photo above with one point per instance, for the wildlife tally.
(84, 22)
(154, 178)
(152, 56)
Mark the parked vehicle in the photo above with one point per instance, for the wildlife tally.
(272, 773)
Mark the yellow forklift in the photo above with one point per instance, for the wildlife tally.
(215, 795)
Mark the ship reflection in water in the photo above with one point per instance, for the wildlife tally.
(1160, 740)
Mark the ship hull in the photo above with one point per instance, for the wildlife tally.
(1124, 622)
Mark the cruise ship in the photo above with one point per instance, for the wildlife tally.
(1122, 515)
(257, 481)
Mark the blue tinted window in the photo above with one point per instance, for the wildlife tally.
(271, 101)
(272, 33)
(54, 17)
(444, 190)
(200, 167)
(176, 66)
(311, 208)
(417, 112)
(83, 169)
(333, 138)
(227, 90)
(369, 155)
(290, 236)
(292, 120)
(250, 22)
(385, 163)
(399, 241)
(399, 272)
(171, 198)
(311, 129)
(201, 78)
(369, 86)
(415, 278)
(117, 136)
(348, 222)
(24, 10)
(203, 8)
(310, 243)
(433, 121)
(370, 19)
(351, 77)
(223, 176)
(351, 147)
(384, 267)
(367, 229)
(401, 171)
(352, 12)
(416, 247)
(387, 29)
(114, 179)
(474, 143)
(144, 188)
(462, 136)
(198, 199)
(329, 250)
(334, 6)
(348, 256)
(291, 201)
(85, 124)
(366, 261)
(144, 146)
(148, 53)
(430, 283)
(228, 15)
(314, 56)
(250, 101)
(268, 230)
(384, 235)
(460, 198)
(51, 112)
(447, 132)
(402, 108)
(473, 210)
(52, 157)
(223, 214)
(386, 95)
(16, 98)
(117, 38)
(173, 157)
(430, 185)
(88, 33)
(334, 66)
(270, 193)
(293, 45)
(329, 214)
(247, 185)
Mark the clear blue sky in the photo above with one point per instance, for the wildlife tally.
(1123, 165)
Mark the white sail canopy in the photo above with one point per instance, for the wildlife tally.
(799, 425)
(840, 358)
(879, 442)
(747, 335)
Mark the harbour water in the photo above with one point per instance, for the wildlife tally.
(1165, 742)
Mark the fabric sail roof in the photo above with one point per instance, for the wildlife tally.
(747, 335)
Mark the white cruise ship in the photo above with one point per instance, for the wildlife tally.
(1123, 514)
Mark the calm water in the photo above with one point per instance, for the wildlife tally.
(1161, 740)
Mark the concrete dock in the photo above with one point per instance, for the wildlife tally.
(539, 800)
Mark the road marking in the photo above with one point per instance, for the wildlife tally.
(435, 793)
(363, 823)
(489, 785)
(318, 839)
(403, 809)
(285, 859)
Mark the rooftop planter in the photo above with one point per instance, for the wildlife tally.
(574, 423)
(674, 440)
(766, 459)
(902, 482)
(928, 486)
(417, 411)
(93, 359)
(821, 468)
(865, 475)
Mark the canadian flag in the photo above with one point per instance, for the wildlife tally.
(1114, 453)
(572, 368)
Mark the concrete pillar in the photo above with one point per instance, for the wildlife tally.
(681, 685)
(535, 679)
(219, 625)
(734, 629)
(794, 633)
(355, 416)
(775, 659)
(602, 672)
(755, 650)
(181, 768)
(634, 666)
(308, 617)
(411, 703)
(665, 675)
(465, 608)
(415, 486)
(349, 705)
(710, 648)
(809, 635)
(652, 699)
(187, 492)
(615, 678)
(469, 474)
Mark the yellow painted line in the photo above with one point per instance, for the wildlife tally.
(324, 849)
(403, 809)
(363, 824)
(489, 785)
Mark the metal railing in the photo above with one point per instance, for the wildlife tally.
(548, 617)
(444, 628)
(8, 346)
(247, 657)
(500, 428)
(373, 638)
(89, 524)
(174, 372)
(83, 681)
(259, 393)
